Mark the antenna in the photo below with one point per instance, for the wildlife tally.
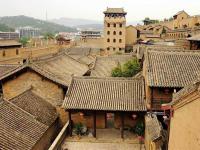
(46, 16)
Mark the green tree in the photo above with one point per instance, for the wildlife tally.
(24, 40)
(49, 35)
(129, 69)
(117, 72)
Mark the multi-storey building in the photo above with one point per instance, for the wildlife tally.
(114, 30)
(29, 32)
(9, 35)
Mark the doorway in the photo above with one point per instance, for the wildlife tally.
(110, 120)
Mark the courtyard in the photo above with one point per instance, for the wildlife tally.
(107, 139)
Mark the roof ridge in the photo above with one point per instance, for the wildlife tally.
(113, 78)
(174, 51)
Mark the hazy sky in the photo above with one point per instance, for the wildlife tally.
(92, 9)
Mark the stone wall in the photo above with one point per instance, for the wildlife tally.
(184, 126)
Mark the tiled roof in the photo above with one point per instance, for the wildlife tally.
(62, 80)
(4, 69)
(194, 38)
(171, 68)
(153, 127)
(114, 94)
(142, 48)
(180, 12)
(62, 65)
(115, 10)
(79, 51)
(104, 65)
(35, 105)
(88, 60)
(9, 43)
(18, 129)
(177, 97)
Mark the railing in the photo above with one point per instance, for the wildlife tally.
(59, 139)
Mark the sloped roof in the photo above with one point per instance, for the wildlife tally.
(62, 80)
(42, 110)
(171, 68)
(177, 97)
(180, 12)
(114, 94)
(194, 38)
(4, 43)
(18, 129)
(105, 64)
(88, 60)
(61, 65)
(115, 10)
(4, 69)
(79, 51)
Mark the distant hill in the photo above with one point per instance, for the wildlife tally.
(21, 21)
(70, 22)
(5, 28)
(79, 23)
(84, 23)
(91, 26)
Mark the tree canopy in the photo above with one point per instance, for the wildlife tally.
(24, 40)
(129, 69)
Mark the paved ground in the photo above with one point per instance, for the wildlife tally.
(107, 139)
(101, 146)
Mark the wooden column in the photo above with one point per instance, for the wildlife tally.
(94, 124)
(70, 122)
(122, 125)
(105, 117)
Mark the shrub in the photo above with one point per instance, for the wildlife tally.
(24, 40)
(139, 128)
(129, 69)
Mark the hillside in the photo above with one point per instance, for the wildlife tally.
(5, 28)
(73, 22)
(21, 21)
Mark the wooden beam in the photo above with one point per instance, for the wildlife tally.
(70, 122)
(94, 124)
(122, 125)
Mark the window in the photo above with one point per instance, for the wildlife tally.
(120, 25)
(113, 48)
(108, 32)
(120, 32)
(114, 25)
(120, 49)
(17, 51)
(108, 40)
(120, 40)
(108, 48)
(108, 25)
(114, 40)
(4, 53)
(114, 33)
